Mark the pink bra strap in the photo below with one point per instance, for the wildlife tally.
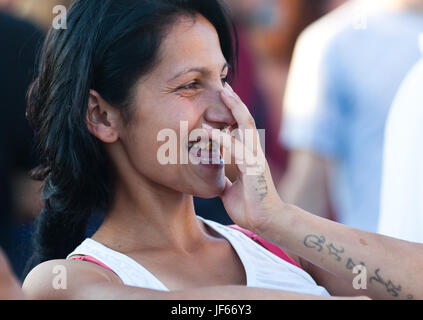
(267, 245)
(92, 260)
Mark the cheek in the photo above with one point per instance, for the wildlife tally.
(142, 151)
(179, 115)
(169, 114)
(142, 141)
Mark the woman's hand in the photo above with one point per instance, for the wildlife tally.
(253, 203)
(250, 200)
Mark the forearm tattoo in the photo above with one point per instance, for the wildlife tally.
(321, 245)
(261, 186)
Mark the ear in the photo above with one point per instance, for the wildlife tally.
(103, 121)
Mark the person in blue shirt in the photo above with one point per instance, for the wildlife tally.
(402, 179)
(346, 70)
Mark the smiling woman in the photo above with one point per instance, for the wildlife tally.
(122, 72)
(97, 104)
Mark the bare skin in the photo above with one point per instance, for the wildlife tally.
(204, 265)
(305, 183)
(10, 288)
(328, 250)
(393, 267)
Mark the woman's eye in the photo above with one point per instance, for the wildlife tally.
(196, 84)
(190, 86)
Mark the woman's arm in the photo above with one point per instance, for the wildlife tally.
(67, 280)
(390, 268)
(9, 286)
(335, 285)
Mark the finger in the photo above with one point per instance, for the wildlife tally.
(239, 110)
(249, 138)
(231, 145)
(228, 185)
(244, 158)
(233, 91)
(223, 195)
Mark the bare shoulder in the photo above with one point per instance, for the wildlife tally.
(65, 279)
(9, 286)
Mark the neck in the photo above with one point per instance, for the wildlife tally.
(154, 217)
(146, 215)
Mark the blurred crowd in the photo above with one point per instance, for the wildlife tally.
(320, 76)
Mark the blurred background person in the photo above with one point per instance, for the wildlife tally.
(20, 41)
(346, 70)
(38, 12)
(267, 32)
(22, 27)
(402, 181)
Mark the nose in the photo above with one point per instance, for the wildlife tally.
(218, 114)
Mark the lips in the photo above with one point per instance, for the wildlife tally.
(206, 152)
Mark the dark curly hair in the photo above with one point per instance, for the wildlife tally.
(107, 46)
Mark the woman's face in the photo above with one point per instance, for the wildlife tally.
(183, 88)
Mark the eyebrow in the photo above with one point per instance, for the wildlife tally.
(203, 71)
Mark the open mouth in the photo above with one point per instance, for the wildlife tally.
(206, 153)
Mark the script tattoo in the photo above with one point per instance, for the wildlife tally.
(390, 287)
(262, 187)
(313, 241)
(318, 243)
(335, 252)
(351, 265)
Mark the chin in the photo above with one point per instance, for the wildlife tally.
(210, 191)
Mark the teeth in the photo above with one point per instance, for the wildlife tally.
(215, 146)
(212, 161)
(205, 146)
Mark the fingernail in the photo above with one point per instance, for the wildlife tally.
(207, 127)
(226, 130)
(229, 87)
(227, 92)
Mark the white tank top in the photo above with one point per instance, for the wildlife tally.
(263, 268)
